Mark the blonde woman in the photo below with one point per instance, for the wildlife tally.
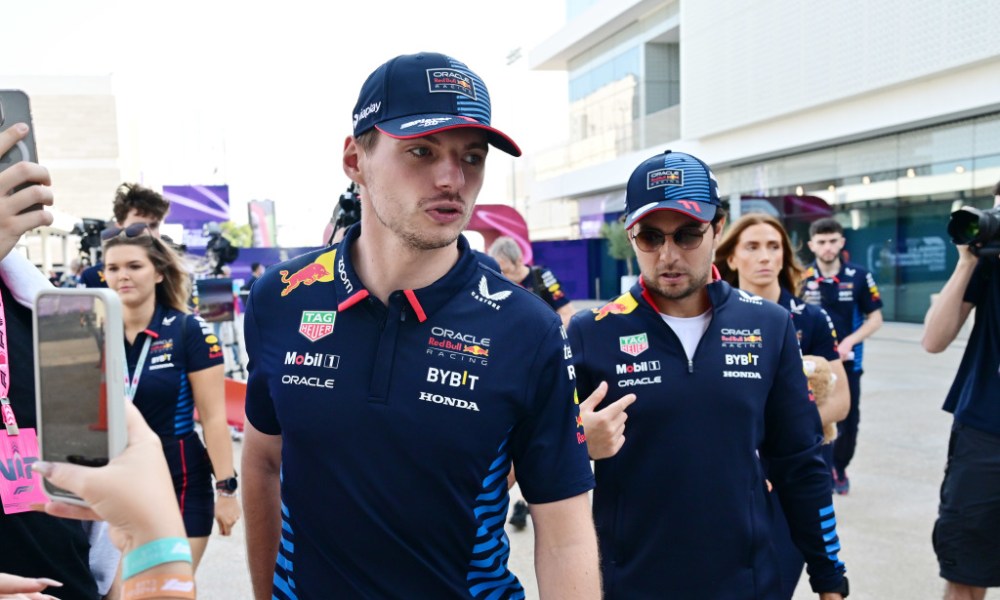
(174, 365)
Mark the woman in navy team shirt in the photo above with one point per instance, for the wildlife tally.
(756, 255)
(174, 365)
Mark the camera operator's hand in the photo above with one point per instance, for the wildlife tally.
(133, 492)
(13, 224)
(965, 255)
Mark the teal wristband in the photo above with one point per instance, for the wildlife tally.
(157, 552)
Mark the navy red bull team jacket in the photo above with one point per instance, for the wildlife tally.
(683, 509)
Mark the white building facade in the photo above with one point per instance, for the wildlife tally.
(889, 111)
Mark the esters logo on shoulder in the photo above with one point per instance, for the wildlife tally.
(317, 324)
(633, 345)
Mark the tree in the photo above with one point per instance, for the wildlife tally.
(619, 246)
(240, 236)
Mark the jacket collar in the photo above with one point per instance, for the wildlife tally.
(425, 301)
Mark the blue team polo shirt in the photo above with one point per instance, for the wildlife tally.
(93, 277)
(400, 422)
(974, 397)
(682, 511)
(180, 343)
(848, 297)
(813, 326)
(550, 289)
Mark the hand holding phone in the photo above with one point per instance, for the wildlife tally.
(24, 184)
(134, 492)
(79, 379)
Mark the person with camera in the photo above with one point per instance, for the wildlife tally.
(173, 366)
(847, 292)
(966, 535)
(382, 417)
(133, 204)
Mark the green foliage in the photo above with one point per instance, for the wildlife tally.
(240, 236)
(619, 246)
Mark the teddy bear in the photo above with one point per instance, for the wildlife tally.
(821, 384)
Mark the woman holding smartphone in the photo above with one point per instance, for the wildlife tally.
(174, 365)
(756, 256)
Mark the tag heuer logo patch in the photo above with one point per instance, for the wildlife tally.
(317, 324)
(633, 345)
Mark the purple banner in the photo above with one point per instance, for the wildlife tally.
(194, 205)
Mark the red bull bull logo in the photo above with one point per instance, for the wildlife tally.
(476, 350)
(621, 305)
(320, 270)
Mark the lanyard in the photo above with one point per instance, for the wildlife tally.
(8, 411)
(132, 385)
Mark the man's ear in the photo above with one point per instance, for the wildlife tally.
(720, 227)
(352, 161)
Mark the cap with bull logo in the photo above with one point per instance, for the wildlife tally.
(420, 94)
(671, 181)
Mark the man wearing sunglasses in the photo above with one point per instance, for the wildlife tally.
(717, 406)
(133, 205)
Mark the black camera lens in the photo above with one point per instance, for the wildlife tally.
(977, 229)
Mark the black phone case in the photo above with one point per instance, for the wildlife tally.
(15, 108)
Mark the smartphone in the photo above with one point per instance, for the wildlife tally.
(79, 379)
(15, 108)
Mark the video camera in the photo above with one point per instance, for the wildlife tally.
(218, 249)
(977, 229)
(89, 231)
(348, 211)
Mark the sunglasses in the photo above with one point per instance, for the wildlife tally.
(685, 238)
(133, 230)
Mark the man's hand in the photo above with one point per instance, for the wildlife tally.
(965, 255)
(605, 429)
(846, 348)
(13, 224)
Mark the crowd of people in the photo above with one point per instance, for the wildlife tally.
(400, 382)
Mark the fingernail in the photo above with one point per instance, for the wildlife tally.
(49, 582)
(21, 128)
(45, 468)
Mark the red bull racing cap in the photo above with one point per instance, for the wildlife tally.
(420, 94)
(671, 181)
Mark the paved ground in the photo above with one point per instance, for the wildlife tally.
(884, 524)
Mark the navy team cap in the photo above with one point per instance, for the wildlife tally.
(671, 181)
(420, 94)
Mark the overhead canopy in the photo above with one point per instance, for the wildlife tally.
(495, 220)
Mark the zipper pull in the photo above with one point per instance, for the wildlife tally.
(690, 366)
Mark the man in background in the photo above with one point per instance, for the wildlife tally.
(133, 204)
(847, 292)
(538, 280)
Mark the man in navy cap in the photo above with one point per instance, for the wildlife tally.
(717, 406)
(387, 397)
